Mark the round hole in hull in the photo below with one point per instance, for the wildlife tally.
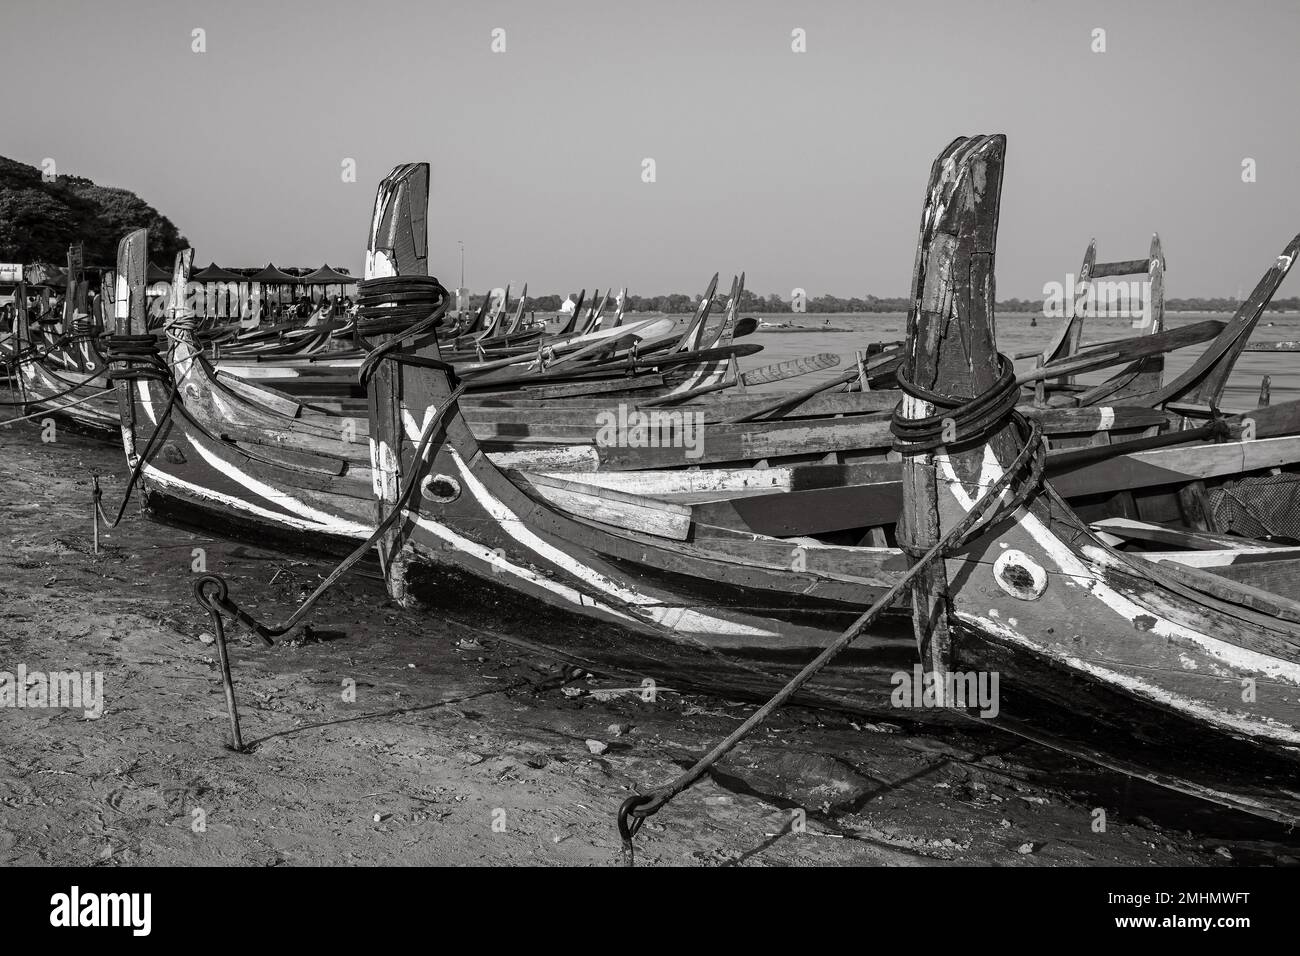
(440, 488)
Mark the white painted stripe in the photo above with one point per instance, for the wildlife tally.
(1212, 715)
(1217, 559)
(677, 618)
(501, 564)
(307, 518)
(1084, 576)
(346, 528)
(321, 519)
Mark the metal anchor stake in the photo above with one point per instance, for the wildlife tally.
(227, 683)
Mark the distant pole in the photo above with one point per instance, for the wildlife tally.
(462, 262)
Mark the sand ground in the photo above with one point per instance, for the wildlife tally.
(461, 747)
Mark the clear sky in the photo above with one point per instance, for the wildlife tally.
(804, 169)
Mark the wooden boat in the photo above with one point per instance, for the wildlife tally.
(65, 375)
(1168, 666)
(633, 579)
(788, 328)
(268, 471)
(240, 456)
(225, 453)
(526, 424)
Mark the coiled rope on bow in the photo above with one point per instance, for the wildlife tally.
(410, 306)
(393, 303)
(976, 418)
(968, 419)
(83, 326)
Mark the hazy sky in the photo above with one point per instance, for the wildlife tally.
(804, 169)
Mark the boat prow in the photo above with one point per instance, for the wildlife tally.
(1162, 670)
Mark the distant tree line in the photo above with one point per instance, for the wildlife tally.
(39, 219)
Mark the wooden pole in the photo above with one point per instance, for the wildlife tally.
(950, 351)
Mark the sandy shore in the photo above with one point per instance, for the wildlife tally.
(460, 747)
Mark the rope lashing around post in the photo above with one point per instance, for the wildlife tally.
(83, 327)
(393, 303)
(410, 306)
(970, 420)
(974, 418)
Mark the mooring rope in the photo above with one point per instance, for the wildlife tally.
(974, 418)
(222, 602)
(45, 411)
(30, 353)
(131, 358)
(393, 302)
(76, 386)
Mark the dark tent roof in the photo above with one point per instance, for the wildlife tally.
(157, 274)
(327, 276)
(273, 275)
(214, 273)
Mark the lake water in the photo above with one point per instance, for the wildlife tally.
(1016, 335)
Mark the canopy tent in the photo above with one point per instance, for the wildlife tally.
(214, 273)
(225, 292)
(273, 276)
(155, 273)
(325, 276)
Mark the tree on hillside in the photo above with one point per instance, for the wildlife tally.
(120, 211)
(34, 226)
(39, 220)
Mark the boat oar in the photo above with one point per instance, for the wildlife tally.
(1125, 350)
(841, 379)
(523, 359)
(620, 365)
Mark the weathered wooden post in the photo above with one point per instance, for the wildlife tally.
(398, 246)
(952, 355)
(130, 317)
